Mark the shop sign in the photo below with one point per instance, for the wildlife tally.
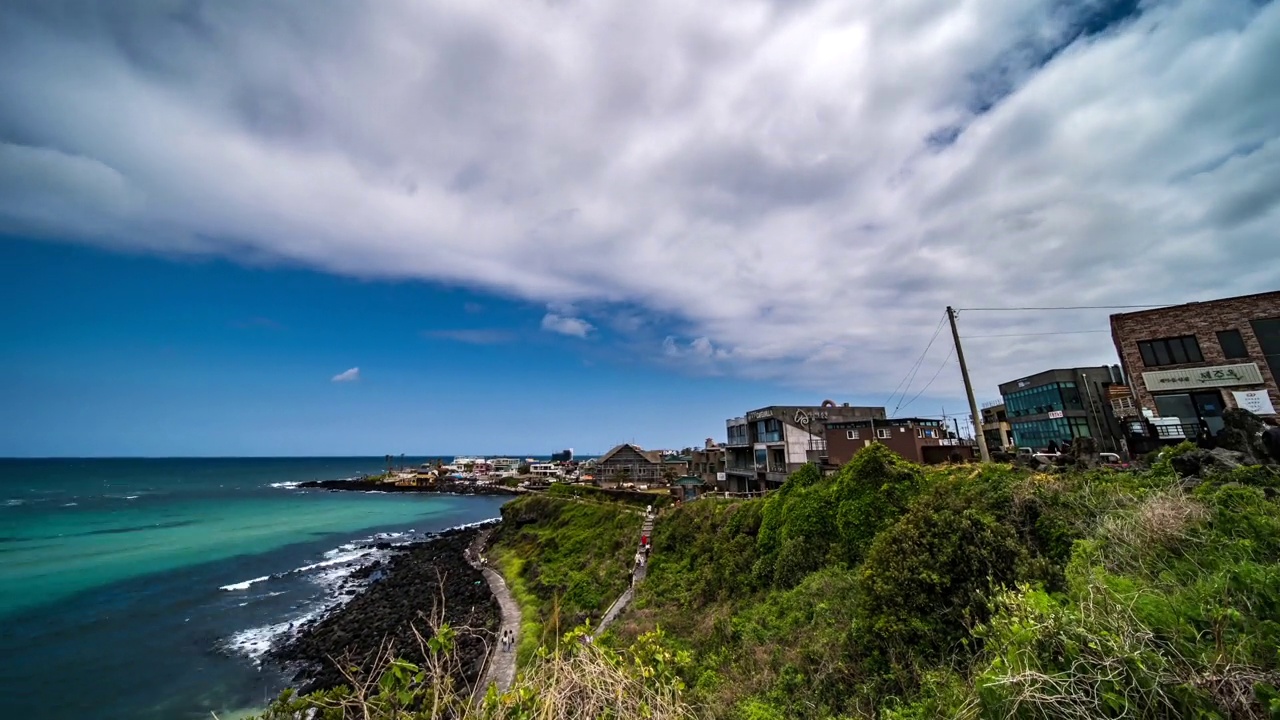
(1193, 378)
(1055, 414)
(1257, 402)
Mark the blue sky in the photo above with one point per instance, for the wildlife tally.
(122, 354)
(575, 223)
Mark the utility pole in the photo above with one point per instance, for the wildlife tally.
(968, 386)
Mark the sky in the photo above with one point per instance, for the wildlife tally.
(288, 228)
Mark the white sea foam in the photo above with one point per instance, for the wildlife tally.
(70, 504)
(340, 558)
(130, 497)
(285, 484)
(13, 503)
(255, 642)
(244, 585)
(334, 575)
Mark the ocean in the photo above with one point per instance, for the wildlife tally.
(149, 589)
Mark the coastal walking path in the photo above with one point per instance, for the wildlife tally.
(637, 574)
(502, 664)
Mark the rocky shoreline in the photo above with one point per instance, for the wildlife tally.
(445, 487)
(402, 594)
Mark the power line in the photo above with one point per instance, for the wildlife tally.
(915, 367)
(926, 385)
(1062, 332)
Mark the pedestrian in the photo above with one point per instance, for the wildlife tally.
(1053, 447)
(1271, 439)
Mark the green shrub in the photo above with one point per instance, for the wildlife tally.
(872, 491)
(927, 578)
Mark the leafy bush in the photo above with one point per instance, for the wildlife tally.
(873, 490)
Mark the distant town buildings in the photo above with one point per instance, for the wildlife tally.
(764, 446)
(1057, 406)
(1180, 368)
(920, 440)
(1193, 361)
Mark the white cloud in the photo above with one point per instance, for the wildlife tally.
(577, 327)
(351, 375)
(804, 186)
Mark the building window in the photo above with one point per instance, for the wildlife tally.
(1267, 331)
(851, 435)
(883, 433)
(1170, 351)
(1232, 344)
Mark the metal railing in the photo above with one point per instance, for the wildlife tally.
(1189, 431)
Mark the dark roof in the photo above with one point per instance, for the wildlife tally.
(652, 456)
(891, 422)
(1166, 308)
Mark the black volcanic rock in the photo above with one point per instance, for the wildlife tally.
(415, 584)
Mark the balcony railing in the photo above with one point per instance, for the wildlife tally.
(1174, 432)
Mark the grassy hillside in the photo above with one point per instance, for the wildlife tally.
(565, 560)
(893, 591)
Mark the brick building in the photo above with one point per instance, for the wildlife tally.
(1193, 361)
(764, 446)
(919, 440)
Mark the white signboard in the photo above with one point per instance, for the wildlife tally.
(1257, 402)
(1055, 414)
(1202, 377)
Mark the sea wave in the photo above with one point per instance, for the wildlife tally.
(285, 485)
(14, 502)
(244, 585)
(256, 642)
(333, 574)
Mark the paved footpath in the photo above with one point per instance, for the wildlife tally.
(502, 665)
(637, 574)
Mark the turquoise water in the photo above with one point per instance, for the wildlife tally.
(138, 568)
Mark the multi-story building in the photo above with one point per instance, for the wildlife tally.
(995, 426)
(1065, 404)
(628, 463)
(1193, 361)
(919, 440)
(766, 445)
(708, 464)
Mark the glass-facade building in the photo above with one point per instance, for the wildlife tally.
(1060, 405)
